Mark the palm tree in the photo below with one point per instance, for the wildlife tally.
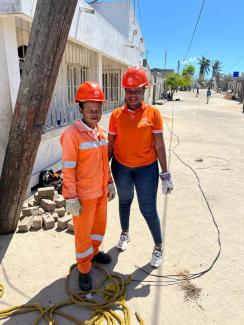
(216, 69)
(204, 67)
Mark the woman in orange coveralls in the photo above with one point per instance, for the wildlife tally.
(87, 184)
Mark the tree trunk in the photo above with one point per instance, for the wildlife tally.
(48, 38)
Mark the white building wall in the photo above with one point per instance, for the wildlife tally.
(9, 80)
(104, 43)
(91, 30)
(116, 13)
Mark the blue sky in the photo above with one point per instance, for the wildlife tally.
(168, 24)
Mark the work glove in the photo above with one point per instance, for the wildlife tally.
(167, 185)
(73, 206)
(111, 191)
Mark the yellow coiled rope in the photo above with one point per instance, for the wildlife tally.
(112, 294)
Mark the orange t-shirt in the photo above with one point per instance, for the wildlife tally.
(134, 143)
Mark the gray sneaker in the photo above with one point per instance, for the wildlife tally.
(157, 257)
(123, 241)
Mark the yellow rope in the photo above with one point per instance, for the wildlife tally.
(112, 292)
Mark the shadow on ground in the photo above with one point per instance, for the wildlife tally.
(4, 244)
(55, 293)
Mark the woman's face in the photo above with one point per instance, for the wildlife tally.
(92, 113)
(134, 97)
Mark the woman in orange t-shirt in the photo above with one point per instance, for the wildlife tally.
(136, 144)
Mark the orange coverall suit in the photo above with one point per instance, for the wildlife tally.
(86, 175)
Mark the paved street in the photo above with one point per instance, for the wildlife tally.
(206, 158)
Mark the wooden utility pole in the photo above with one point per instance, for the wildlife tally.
(48, 38)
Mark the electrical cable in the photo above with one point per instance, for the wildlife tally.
(237, 61)
(175, 279)
(194, 31)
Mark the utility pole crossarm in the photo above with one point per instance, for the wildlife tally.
(48, 38)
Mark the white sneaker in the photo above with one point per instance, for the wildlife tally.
(123, 241)
(157, 257)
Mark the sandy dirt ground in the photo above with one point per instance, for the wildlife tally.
(205, 148)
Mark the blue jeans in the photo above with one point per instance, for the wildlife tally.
(145, 180)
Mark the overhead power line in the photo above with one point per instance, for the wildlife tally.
(194, 31)
(237, 61)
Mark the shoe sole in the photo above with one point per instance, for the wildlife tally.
(155, 267)
(121, 249)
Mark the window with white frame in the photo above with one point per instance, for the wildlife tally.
(111, 85)
(76, 74)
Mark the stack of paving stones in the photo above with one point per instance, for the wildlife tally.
(46, 210)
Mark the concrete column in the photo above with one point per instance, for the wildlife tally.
(100, 69)
(9, 79)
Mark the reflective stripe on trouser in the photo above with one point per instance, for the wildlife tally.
(89, 228)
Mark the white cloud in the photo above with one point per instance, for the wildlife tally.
(193, 59)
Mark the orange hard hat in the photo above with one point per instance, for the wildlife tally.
(89, 91)
(134, 77)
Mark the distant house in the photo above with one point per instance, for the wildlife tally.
(159, 80)
(104, 39)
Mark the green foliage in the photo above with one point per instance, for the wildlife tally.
(216, 68)
(189, 69)
(204, 64)
(186, 80)
(173, 81)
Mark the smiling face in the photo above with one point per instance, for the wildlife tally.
(91, 112)
(134, 97)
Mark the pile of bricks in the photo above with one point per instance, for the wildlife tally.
(47, 210)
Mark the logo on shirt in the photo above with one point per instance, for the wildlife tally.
(145, 121)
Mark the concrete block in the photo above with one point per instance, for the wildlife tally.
(28, 211)
(42, 211)
(46, 192)
(60, 212)
(62, 222)
(25, 224)
(56, 195)
(70, 225)
(36, 212)
(60, 202)
(55, 216)
(37, 198)
(37, 222)
(48, 205)
(32, 204)
(48, 221)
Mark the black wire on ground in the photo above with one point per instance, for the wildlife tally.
(175, 279)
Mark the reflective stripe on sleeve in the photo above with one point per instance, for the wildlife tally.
(103, 142)
(89, 145)
(157, 131)
(69, 164)
(97, 237)
(86, 253)
(93, 144)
